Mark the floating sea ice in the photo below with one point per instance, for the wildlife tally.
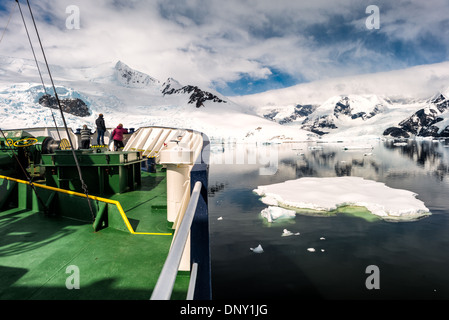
(287, 233)
(322, 238)
(220, 218)
(272, 213)
(330, 193)
(257, 249)
(311, 249)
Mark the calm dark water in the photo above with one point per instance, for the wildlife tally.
(412, 257)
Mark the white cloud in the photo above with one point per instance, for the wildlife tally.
(205, 41)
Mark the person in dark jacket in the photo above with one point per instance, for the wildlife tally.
(101, 129)
(117, 136)
(85, 137)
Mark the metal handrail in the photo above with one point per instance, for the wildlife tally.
(166, 281)
(192, 283)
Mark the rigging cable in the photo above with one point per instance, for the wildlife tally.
(9, 19)
(37, 65)
(83, 184)
(25, 173)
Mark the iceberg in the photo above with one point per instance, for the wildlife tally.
(331, 193)
(273, 213)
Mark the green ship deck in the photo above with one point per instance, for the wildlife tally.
(41, 255)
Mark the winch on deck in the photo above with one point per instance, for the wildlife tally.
(40, 158)
(104, 172)
(21, 152)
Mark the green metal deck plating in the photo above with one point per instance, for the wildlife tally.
(42, 256)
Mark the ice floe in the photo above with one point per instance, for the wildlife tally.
(273, 213)
(330, 193)
(313, 250)
(287, 233)
(257, 249)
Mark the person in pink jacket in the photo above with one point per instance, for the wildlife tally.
(117, 136)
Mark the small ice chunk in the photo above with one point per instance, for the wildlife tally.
(322, 238)
(287, 233)
(272, 213)
(220, 218)
(322, 250)
(311, 249)
(257, 249)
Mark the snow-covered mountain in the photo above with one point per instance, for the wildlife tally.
(127, 96)
(430, 121)
(369, 115)
(410, 102)
(402, 103)
(338, 112)
(132, 78)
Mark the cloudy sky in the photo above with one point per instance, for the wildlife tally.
(235, 46)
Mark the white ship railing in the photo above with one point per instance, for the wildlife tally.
(166, 281)
(152, 140)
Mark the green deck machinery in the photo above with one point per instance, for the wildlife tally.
(21, 152)
(104, 172)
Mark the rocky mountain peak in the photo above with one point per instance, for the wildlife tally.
(197, 96)
(73, 106)
(423, 123)
(132, 78)
(170, 86)
(342, 110)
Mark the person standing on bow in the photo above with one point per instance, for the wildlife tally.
(117, 136)
(101, 129)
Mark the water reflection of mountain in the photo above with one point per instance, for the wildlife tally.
(394, 159)
(332, 160)
(342, 168)
(432, 155)
(419, 151)
(217, 187)
(302, 166)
